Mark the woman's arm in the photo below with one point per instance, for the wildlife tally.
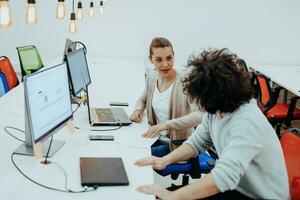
(140, 105)
(187, 121)
(205, 187)
(182, 153)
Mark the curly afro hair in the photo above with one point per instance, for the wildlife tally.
(216, 83)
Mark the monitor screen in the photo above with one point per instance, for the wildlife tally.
(48, 104)
(78, 70)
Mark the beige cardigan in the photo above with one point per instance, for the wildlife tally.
(183, 115)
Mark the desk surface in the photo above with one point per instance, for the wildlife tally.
(287, 76)
(112, 80)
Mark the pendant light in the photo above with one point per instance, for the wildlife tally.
(73, 21)
(101, 8)
(60, 9)
(91, 12)
(5, 14)
(79, 11)
(31, 13)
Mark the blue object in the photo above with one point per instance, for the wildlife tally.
(3, 84)
(181, 168)
(160, 150)
(205, 164)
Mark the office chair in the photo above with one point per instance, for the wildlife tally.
(194, 167)
(30, 60)
(7, 69)
(290, 143)
(278, 114)
(3, 84)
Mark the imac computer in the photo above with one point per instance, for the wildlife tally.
(78, 71)
(47, 108)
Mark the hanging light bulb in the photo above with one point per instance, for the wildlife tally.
(101, 8)
(60, 10)
(73, 23)
(91, 13)
(31, 13)
(79, 11)
(73, 20)
(5, 14)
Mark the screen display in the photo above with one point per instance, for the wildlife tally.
(78, 70)
(48, 103)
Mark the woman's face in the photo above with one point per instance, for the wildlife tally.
(163, 60)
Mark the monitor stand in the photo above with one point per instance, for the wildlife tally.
(78, 100)
(28, 150)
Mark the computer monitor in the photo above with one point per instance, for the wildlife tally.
(47, 108)
(78, 71)
(70, 46)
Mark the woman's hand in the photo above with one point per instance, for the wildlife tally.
(157, 190)
(155, 130)
(136, 116)
(157, 163)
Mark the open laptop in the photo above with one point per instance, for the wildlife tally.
(79, 80)
(102, 172)
(109, 117)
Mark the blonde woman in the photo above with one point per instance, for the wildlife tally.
(168, 109)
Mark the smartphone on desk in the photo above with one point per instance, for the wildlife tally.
(102, 137)
(115, 103)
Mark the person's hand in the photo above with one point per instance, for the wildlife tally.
(155, 130)
(136, 116)
(157, 190)
(156, 162)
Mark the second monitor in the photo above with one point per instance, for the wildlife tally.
(78, 71)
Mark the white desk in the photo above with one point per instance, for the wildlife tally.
(112, 80)
(285, 76)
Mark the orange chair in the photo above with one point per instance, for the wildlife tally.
(7, 69)
(277, 113)
(290, 143)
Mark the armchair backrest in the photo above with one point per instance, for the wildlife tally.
(265, 92)
(7, 69)
(30, 60)
(3, 84)
(290, 143)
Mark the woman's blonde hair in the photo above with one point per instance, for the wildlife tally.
(159, 42)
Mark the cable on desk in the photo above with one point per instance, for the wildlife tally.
(47, 154)
(112, 129)
(86, 189)
(66, 182)
(9, 133)
(78, 105)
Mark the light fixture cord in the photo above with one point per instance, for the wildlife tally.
(73, 5)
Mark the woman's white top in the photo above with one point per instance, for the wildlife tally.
(160, 105)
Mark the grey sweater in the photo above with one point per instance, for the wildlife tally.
(250, 156)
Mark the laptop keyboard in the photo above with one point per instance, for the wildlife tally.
(105, 115)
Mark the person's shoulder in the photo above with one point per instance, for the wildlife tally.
(248, 112)
(152, 76)
(181, 73)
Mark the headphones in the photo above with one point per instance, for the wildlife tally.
(75, 43)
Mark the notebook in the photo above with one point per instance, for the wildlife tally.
(102, 172)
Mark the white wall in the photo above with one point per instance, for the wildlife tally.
(260, 31)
